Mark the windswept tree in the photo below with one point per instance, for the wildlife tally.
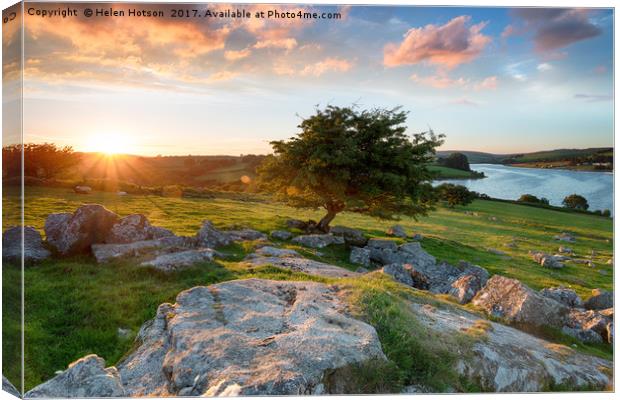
(42, 160)
(360, 161)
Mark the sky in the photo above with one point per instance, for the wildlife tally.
(501, 80)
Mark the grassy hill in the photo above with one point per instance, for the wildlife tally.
(75, 307)
(452, 173)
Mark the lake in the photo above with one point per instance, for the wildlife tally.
(510, 183)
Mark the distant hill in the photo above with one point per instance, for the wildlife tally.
(595, 154)
(475, 157)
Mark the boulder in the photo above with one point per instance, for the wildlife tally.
(86, 377)
(179, 260)
(134, 228)
(568, 297)
(245, 234)
(148, 248)
(420, 280)
(281, 235)
(414, 254)
(8, 387)
(296, 224)
(506, 359)
(514, 302)
(608, 312)
(600, 300)
(360, 256)
(471, 269)
(587, 326)
(610, 333)
(565, 250)
(34, 251)
(496, 252)
(249, 337)
(565, 237)
(465, 287)
(397, 231)
(400, 272)
(210, 237)
(74, 233)
(269, 251)
(546, 260)
(82, 189)
(353, 237)
(304, 265)
(318, 241)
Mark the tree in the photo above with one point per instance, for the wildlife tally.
(44, 160)
(576, 202)
(530, 198)
(360, 161)
(455, 194)
(456, 161)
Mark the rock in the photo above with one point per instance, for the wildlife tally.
(417, 237)
(152, 248)
(420, 280)
(269, 251)
(565, 237)
(600, 300)
(281, 235)
(318, 241)
(296, 224)
(86, 377)
(411, 389)
(511, 245)
(568, 297)
(353, 237)
(582, 324)
(608, 312)
(514, 302)
(134, 228)
(565, 250)
(179, 260)
(382, 244)
(546, 260)
(210, 237)
(75, 233)
(397, 231)
(400, 272)
(509, 360)
(34, 251)
(82, 189)
(304, 265)
(610, 261)
(249, 337)
(245, 234)
(562, 258)
(610, 333)
(465, 288)
(496, 252)
(8, 387)
(360, 256)
(362, 270)
(471, 269)
(413, 253)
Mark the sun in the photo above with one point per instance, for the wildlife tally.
(108, 143)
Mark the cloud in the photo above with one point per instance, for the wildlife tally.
(544, 67)
(556, 28)
(443, 81)
(465, 102)
(591, 98)
(284, 43)
(600, 69)
(447, 45)
(234, 55)
(508, 31)
(327, 65)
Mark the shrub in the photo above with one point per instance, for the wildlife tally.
(576, 202)
(530, 198)
(455, 194)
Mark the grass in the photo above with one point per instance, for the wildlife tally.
(452, 173)
(74, 307)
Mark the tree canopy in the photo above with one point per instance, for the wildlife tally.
(347, 159)
(456, 161)
(576, 201)
(44, 160)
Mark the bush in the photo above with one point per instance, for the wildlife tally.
(530, 198)
(576, 202)
(456, 161)
(455, 194)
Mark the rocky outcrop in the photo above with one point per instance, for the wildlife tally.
(318, 241)
(8, 387)
(74, 233)
(353, 237)
(360, 256)
(304, 265)
(465, 287)
(134, 228)
(269, 251)
(600, 300)
(388, 252)
(34, 250)
(148, 248)
(179, 260)
(504, 359)
(566, 296)
(514, 302)
(400, 272)
(209, 236)
(248, 337)
(86, 377)
(281, 235)
(587, 325)
(245, 234)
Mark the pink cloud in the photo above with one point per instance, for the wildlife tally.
(447, 45)
(282, 43)
(443, 81)
(489, 82)
(234, 55)
(508, 31)
(327, 65)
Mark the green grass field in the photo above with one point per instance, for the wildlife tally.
(74, 307)
(452, 173)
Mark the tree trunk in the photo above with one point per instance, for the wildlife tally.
(323, 224)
